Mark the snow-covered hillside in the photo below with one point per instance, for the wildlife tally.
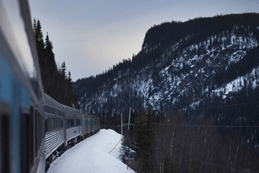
(203, 67)
(93, 155)
(180, 74)
(198, 67)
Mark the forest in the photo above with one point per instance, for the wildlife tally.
(159, 142)
(57, 82)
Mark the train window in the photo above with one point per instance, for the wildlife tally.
(41, 130)
(78, 122)
(52, 124)
(5, 136)
(72, 123)
(27, 126)
(55, 123)
(35, 133)
(38, 131)
(49, 123)
(60, 123)
(31, 136)
(46, 123)
(68, 123)
(51, 110)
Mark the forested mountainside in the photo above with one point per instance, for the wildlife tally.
(203, 67)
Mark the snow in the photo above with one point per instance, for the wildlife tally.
(93, 155)
(236, 85)
(236, 56)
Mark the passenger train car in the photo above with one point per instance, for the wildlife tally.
(34, 128)
(64, 127)
(54, 128)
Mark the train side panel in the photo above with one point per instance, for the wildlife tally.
(54, 129)
(53, 140)
(73, 124)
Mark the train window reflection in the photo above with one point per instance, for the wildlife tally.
(14, 30)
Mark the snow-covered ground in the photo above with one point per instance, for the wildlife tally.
(93, 155)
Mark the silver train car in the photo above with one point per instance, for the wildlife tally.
(22, 142)
(73, 125)
(86, 127)
(54, 129)
(64, 127)
(90, 125)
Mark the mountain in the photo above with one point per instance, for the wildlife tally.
(202, 67)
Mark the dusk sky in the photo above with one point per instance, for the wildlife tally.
(93, 35)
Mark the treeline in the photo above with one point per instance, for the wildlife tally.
(198, 29)
(56, 81)
(240, 109)
(92, 83)
(170, 143)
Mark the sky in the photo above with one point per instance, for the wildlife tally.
(93, 35)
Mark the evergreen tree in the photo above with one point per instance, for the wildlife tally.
(144, 138)
(55, 81)
(50, 71)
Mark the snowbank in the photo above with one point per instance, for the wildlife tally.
(93, 155)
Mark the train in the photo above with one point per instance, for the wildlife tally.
(64, 127)
(34, 128)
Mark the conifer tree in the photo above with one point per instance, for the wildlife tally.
(50, 67)
(55, 82)
(144, 138)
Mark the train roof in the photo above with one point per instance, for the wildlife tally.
(50, 102)
(71, 112)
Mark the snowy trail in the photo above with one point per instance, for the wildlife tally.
(92, 156)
